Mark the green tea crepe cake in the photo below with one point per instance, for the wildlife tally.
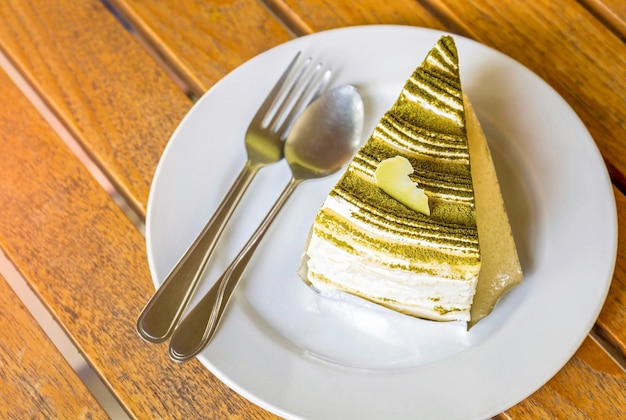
(400, 226)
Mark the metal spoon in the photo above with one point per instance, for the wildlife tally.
(321, 141)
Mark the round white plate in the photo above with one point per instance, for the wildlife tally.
(301, 355)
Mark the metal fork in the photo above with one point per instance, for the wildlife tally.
(296, 88)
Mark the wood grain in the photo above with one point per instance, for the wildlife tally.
(612, 320)
(203, 41)
(321, 15)
(121, 109)
(36, 379)
(590, 386)
(86, 262)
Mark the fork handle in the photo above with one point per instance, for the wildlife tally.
(199, 326)
(162, 312)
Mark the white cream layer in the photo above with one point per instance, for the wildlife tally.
(408, 291)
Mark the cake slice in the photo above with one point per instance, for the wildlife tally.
(368, 243)
(437, 245)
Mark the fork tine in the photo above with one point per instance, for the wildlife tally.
(314, 88)
(285, 101)
(274, 94)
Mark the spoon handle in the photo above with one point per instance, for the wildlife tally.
(197, 329)
(160, 315)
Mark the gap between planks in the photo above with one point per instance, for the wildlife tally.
(610, 18)
(287, 17)
(611, 350)
(60, 340)
(190, 88)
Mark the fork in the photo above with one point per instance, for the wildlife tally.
(296, 88)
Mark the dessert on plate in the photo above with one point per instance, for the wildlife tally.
(417, 223)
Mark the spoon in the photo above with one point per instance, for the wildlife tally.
(323, 138)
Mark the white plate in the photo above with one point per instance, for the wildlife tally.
(300, 355)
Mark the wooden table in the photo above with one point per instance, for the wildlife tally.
(117, 76)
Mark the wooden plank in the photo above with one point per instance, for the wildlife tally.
(603, 395)
(612, 319)
(203, 41)
(36, 379)
(78, 251)
(104, 87)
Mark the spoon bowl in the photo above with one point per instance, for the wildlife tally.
(315, 148)
(322, 140)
